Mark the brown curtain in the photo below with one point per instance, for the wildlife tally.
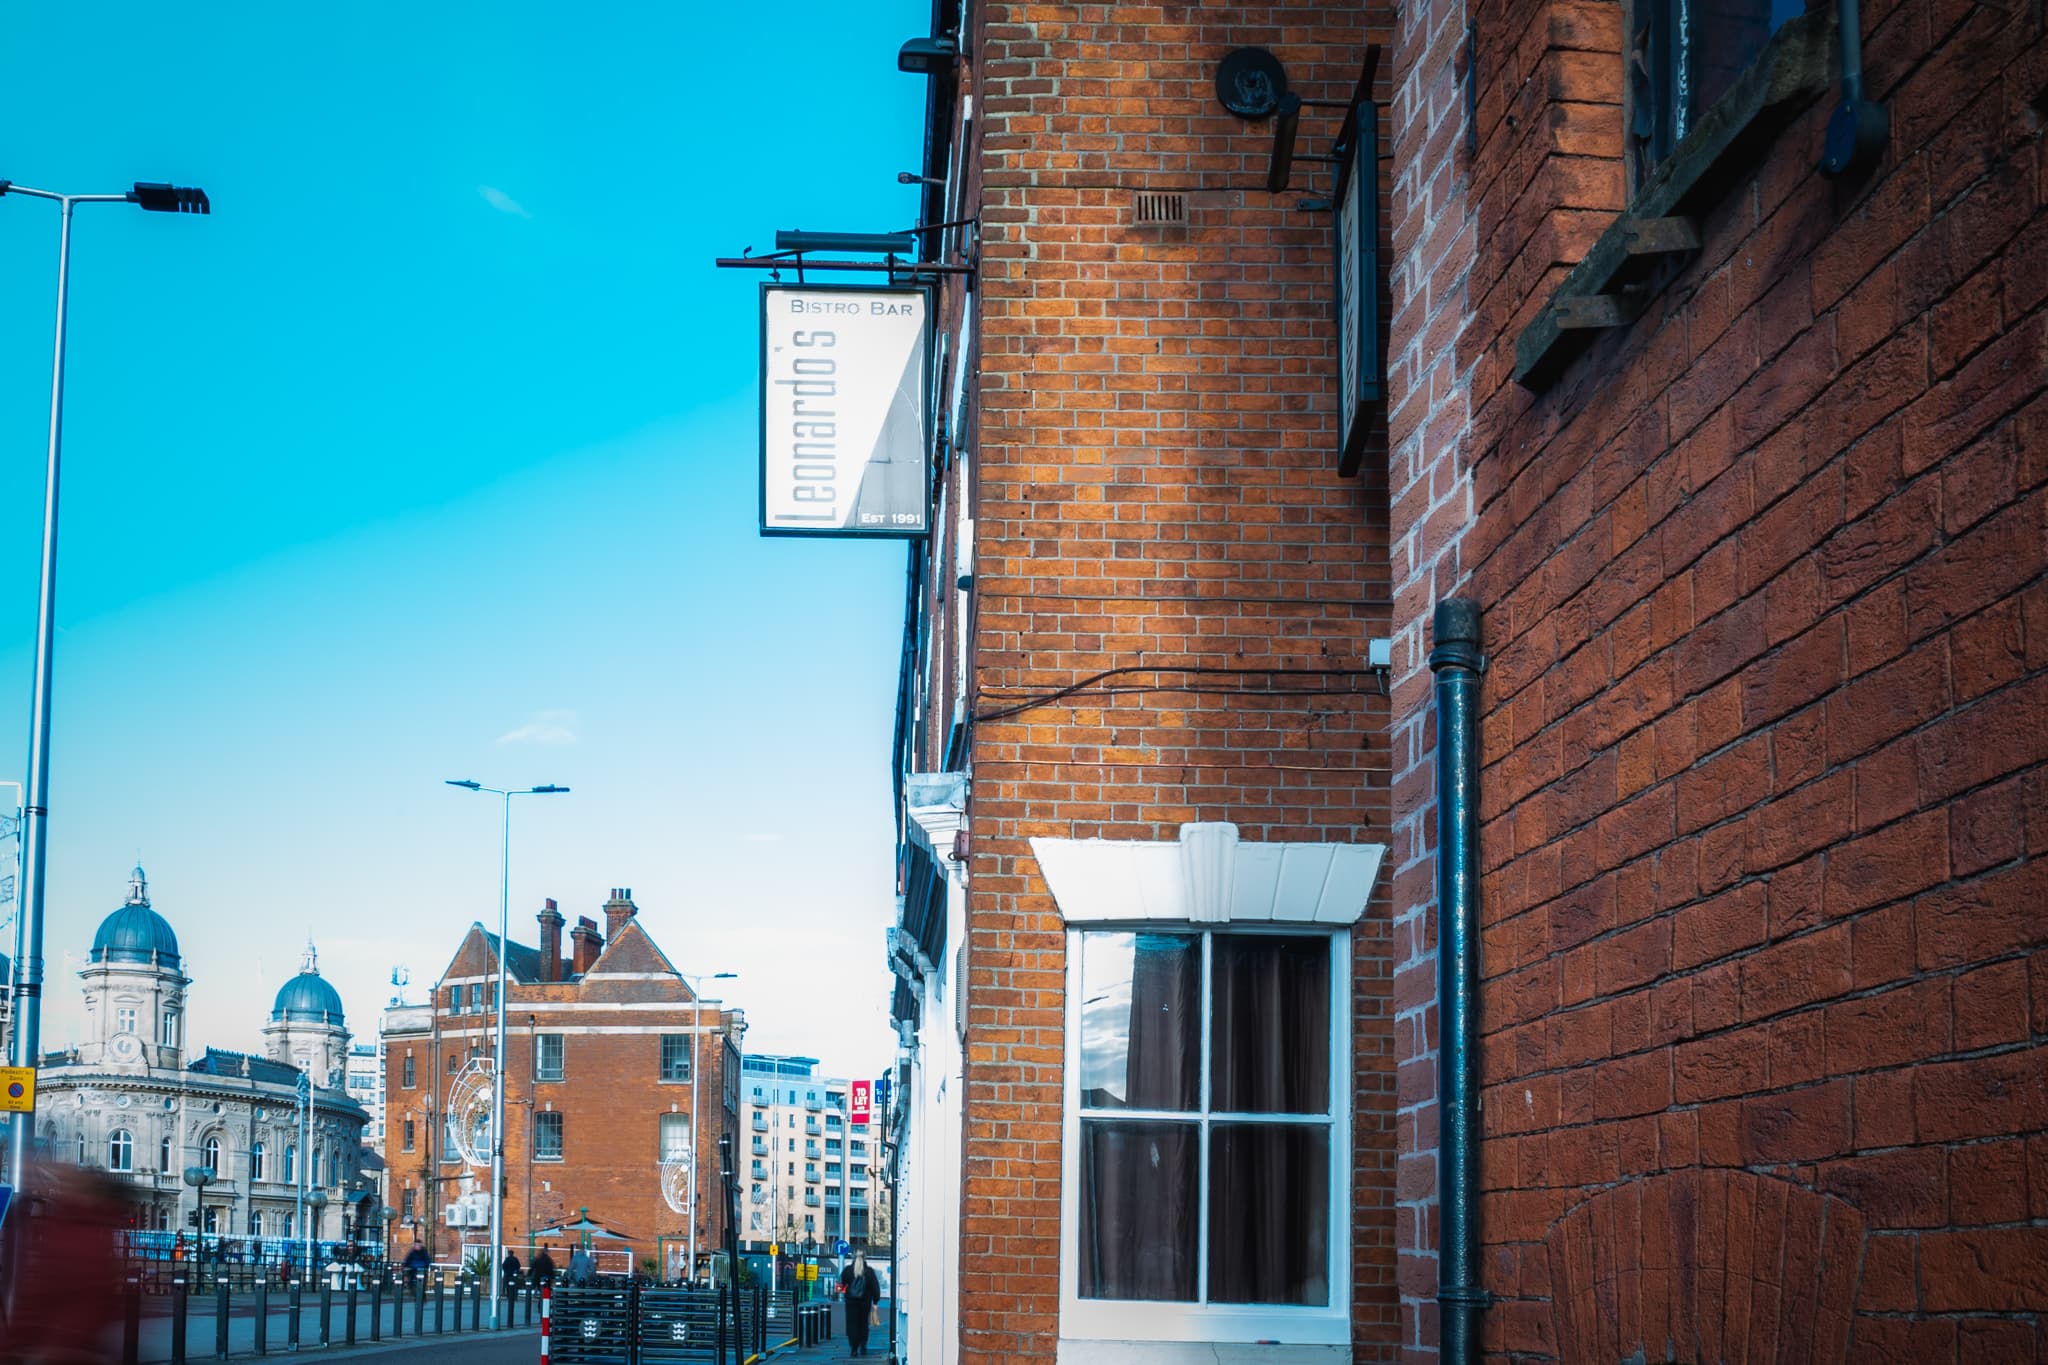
(1138, 1191)
(1271, 1026)
(1269, 1213)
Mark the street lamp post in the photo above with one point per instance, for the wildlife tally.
(697, 1004)
(28, 929)
(498, 1056)
(316, 1200)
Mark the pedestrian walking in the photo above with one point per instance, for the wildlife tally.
(511, 1269)
(860, 1287)
(581, 1267)
(416, 1263)
(543, 1267)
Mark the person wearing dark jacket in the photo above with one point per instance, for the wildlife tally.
(861, 1288)
(543, 1267)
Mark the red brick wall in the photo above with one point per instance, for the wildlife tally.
(1157, 486)
(1766, 730)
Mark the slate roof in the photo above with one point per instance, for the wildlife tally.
(221, 1062)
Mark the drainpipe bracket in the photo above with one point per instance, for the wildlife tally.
(1465, 1296)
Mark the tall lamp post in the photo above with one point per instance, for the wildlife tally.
(498, 1058)
(697, 1003)
(28, 929)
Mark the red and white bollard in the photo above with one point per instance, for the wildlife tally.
(547, 1318)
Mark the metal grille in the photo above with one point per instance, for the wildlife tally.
(592, 1326)
(1159, 208)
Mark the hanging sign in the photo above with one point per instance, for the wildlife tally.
(17, 1089)
(862, 1106)
(844, 410)
(1360, 387)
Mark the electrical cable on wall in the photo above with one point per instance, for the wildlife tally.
(1013, 705)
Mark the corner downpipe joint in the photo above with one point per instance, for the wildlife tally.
(1458, 662)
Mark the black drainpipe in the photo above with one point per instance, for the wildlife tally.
(1859, 128)
(1458, 662)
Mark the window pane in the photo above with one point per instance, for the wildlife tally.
(1138, 1209)
(1269, 1213)
(1270, 1024)
(1140, 994)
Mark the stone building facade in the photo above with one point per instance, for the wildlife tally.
(602, 1042)
(127, 1101)
(1741, 464)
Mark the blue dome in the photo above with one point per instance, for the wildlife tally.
(308, 996)
(136, 933)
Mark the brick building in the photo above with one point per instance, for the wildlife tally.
(1743, 469)
(1736, 469)
(602, 1045)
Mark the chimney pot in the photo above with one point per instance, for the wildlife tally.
(550, 942)
(587, 943)
(618, 910)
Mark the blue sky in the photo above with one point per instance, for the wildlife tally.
(433, 454)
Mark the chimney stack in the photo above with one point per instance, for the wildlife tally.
(618, 910)
(588, 943)
(550, 941)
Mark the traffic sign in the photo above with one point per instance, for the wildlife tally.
(17, 1089)
(841, 1247)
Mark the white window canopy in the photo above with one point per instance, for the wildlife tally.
(1208, 876)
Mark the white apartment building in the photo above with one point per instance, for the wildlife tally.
(365, 1081)
(806, 1172)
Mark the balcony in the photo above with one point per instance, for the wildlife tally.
(811, 1199)
(760, 1171)
(760, 1123)
(811, 1127)
(813, 1103)
(760, 1147)
(811, 1150)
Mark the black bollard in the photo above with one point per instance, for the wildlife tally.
(459, 1284)
(476, 1310)
(376, 1309)
(220, 1319)
(326, 1310)
(180, 1301)
(419, 1308)
(397, 1310)
(298, 1301)
(262, 1315)
(131, 1323)
(440, 1300)
(349, 1332)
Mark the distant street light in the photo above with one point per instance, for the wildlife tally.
(27, 1043)
(498, 1066)
(697, 1003)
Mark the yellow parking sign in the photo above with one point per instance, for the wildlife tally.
(17, 1089)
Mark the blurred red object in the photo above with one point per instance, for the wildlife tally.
(62, 1280)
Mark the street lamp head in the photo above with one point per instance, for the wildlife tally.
(198, 1177)
(157, 198)
(725, 976)
(466, 785)
(549, 790)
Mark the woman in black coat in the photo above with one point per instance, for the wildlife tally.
(858, 1283)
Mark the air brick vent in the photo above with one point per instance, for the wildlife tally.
(1159, 208)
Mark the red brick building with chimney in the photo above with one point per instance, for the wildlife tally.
(1739, 470)
(602, 1045)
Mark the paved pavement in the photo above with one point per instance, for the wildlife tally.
(202, 1327)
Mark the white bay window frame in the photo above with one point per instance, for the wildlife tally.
(1208, 882)
(1159, 1320)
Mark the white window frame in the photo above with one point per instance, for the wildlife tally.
(1149, 1320)
(121, 1151)
(561, 1127)
(125, 1018)
(561, 1068)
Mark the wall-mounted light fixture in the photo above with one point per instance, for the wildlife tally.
(927, 56)
(861, 243)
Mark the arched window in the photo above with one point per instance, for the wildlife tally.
(334, 1168)
(313, 1166)
(170, 1033)
(81, 1146)
(291, 1163)
(163, 1153)
(121, 1151)
(255, 1222)
(211, 1158)
(256, 1156)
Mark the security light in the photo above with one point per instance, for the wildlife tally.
(927, 56)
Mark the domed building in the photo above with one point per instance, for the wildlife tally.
(128, 1101)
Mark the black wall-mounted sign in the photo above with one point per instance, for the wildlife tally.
(1356, 211)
